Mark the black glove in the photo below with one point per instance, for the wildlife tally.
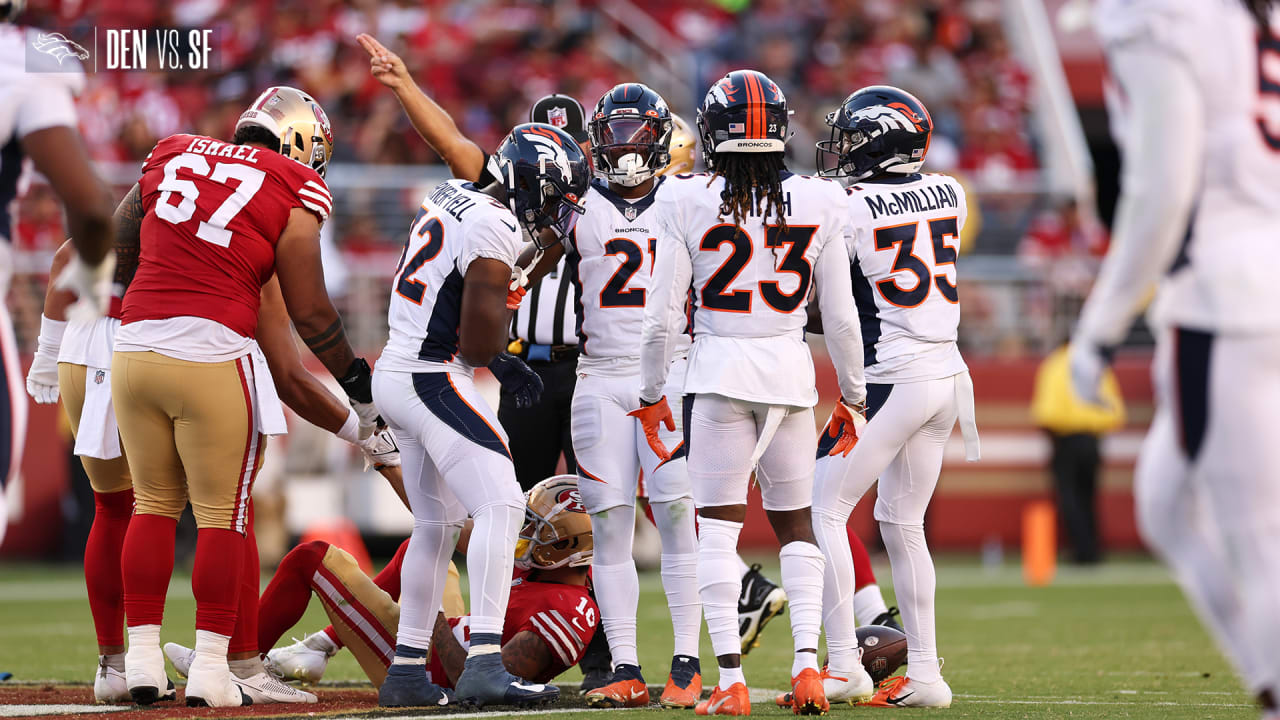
(517, 378)
(357, 383)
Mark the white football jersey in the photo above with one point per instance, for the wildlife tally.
(906, 236)
(1221, 277)
(455, 225)
(611, 265)
(751, 288)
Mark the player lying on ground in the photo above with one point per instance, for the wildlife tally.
(549, 622)
(73, 355)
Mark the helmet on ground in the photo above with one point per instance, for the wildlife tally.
(878, 129)
(744, 112)
(683, 147)
(298, 121)
(545, 174)
(557, 531)
(630, 134)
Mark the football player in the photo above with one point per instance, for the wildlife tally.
(448, 315)
(38, 121)
(750, 239)
(1198, 215)
(550, 618)
(200, 234)
(903, 254)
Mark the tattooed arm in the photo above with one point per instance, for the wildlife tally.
(128, 235)
(526, 655)
(302, 284)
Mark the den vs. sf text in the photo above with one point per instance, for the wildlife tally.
(158, 49)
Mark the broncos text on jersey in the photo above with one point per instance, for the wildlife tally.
(455, 225)
(906, 237)
(611, 264)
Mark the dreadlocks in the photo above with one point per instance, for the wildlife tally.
(751, 179)
(1261, 10)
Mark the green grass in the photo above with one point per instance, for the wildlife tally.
(1116, 642)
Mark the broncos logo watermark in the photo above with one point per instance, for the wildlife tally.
(59, 47)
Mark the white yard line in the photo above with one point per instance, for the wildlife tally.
(491, 714)
(29, 710)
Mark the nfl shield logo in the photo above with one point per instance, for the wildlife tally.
(99, 376)
(630, 212)
(558, 117)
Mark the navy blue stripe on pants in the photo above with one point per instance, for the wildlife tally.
(437, 392)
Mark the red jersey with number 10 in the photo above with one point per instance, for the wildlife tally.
(214, 212)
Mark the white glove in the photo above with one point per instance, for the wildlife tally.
(92, 286)
(380, 450)
(42, 378)
(1087, 364)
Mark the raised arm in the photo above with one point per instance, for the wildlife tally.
(464, 158)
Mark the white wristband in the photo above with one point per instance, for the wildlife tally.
(51, 332)
(350, 430)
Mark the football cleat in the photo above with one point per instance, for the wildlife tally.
(592, 679)
(109, 684)
(180, 656)
(266, 689)
(408, 686)
(901, 691)
(808, 696)
(888, 619)
(210, 684)
(144, 675)
(761, 601)
(484, 681)
(734, 701)
(684, 684)
(853, 687)
(304, 660)
(626, 688)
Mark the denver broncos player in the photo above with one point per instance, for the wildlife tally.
(903, 252)
(1198, 217)
(448, 314)
(192, 392)
(38, 121)
(549, 621)
(751, 240)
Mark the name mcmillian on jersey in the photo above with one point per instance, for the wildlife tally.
(925, 199)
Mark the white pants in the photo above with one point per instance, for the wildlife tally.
(902, 445)
(1207, 487)
(610, 446)
(722, 434)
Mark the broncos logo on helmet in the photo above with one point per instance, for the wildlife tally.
(878, 129)
(545, 175)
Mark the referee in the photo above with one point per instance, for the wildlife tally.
(545, 335)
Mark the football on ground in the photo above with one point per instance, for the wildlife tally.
(884, 650)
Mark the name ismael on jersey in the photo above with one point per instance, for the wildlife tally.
(451, 200)
(929, 197)
(226, 150)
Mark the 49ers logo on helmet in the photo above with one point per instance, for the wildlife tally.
(571, 496)
(324, 122)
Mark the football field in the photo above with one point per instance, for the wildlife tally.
(1114, 642)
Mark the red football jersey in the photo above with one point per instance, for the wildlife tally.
(214, 212)
(564, 616)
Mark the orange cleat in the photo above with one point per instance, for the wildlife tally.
(733, 701)
(620, 694)
(684, 684)
(807, 695)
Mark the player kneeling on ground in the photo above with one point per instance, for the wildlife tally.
(550, 617)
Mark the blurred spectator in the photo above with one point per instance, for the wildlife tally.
(1063, 251)
(1074, 428)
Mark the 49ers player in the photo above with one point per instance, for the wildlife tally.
(192, 391)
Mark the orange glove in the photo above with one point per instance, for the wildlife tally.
(514, 297)
(845, 425)
(650, 416)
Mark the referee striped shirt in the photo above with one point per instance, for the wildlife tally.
(546, 317)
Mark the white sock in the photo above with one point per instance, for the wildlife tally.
(868, 603)
(211, 647)
(803, 661)
(141, 636)
(426, 561)
(320, 641)
(719, 583)
(490, 559)
(837, 588)
(914, 583)
(247, 667)
(114, 661)
(730, 676)
(615, 580)
(802, 569)
(680, 573)
(743, 567)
